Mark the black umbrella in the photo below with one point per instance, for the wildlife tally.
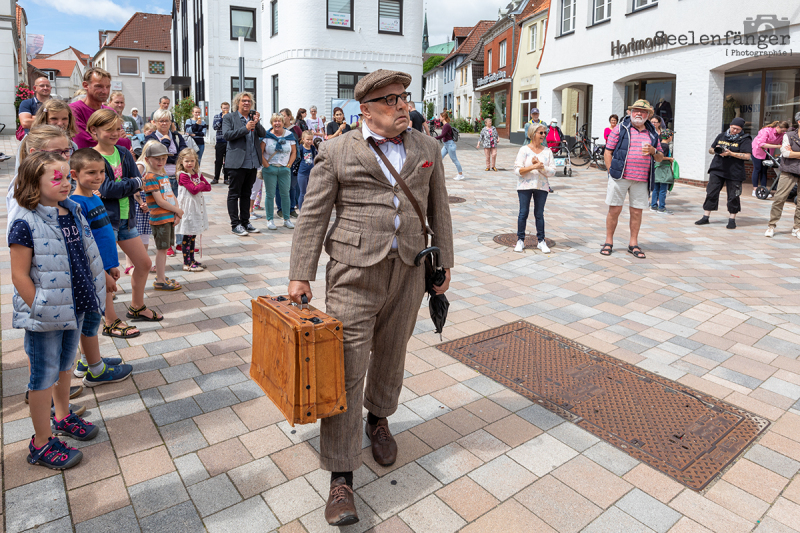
(434, 277)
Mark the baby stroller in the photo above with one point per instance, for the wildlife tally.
(762, 193)
(558, 145)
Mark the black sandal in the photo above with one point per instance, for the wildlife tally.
(119, 332)
(606, 249)
(136, 315)
(636, 252)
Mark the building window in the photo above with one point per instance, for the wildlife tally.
(129, 66)
(155, 67)
(602, 10)
(639, 4)
(275, 106)
(501, 61)
(534, 37)
(243, 23)
(500, 108)
(489, 62)
(527, 101)
(51, 75)
(347, 83)
(273, 30)
(390, 16)
(249, 86)
(568, 16)
(340, 14)
(760, 97)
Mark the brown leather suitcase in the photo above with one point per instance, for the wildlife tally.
(298, 359)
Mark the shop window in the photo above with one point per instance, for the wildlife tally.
(340, 14)
(527, 101)
(390, 16)
(781, 101)
(500, 99)
(761, 97)
(243, 23)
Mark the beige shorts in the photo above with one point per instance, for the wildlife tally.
(617, 189)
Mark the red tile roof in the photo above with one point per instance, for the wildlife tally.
(83, 57)
(63, 68)
(472, 39)
(144, 31)
(533, 7)
(461, 31)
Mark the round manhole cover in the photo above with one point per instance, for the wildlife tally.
(510, 240)
(457, 200)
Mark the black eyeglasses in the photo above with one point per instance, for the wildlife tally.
(63, 153)
(391, 99)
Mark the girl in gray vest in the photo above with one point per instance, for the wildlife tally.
(58, 277)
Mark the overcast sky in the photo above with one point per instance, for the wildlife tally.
(76, 22)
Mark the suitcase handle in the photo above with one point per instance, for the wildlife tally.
(304, 302)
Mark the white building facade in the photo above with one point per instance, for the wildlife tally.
(9, 61)
(434, 82)
(699, 72)
(297, 54)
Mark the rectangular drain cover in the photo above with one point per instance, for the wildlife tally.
(682, 432)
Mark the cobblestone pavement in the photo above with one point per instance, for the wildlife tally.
(191, 444)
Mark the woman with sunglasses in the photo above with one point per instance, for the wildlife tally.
(533, 166)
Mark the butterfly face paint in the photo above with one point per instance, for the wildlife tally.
(58, 178)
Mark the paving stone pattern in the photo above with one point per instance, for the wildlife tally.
(191, 444)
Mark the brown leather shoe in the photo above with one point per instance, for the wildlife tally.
(384, 447)
(341, 508)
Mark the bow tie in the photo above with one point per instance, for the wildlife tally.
(395, 140)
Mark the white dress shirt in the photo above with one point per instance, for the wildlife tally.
(396, 154)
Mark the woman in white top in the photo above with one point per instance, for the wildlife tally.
(279, 149)
(534, 164)
(315, 124)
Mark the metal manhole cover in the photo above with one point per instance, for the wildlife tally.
(456, 200)
(682, 432)
(510, 240)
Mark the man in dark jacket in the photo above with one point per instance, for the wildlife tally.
(790, 177)
(221, 144)
(243, 131)
(632, 149)
(731, 149)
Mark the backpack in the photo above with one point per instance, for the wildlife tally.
(454, 133)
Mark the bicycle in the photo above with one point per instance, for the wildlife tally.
(585, 151)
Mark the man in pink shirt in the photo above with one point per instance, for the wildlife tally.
(97, 83)
(632, 149)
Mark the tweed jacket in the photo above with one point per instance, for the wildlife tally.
(53, 307)
(236, 134)
(347, 176)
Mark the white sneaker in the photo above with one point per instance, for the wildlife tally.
(271, 225)
(770, 232)
(754, 192)
(520, 246)
(543, 247)
(459, 177)
(288, 224)
(795, 233)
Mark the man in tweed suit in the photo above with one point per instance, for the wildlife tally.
(372, 285)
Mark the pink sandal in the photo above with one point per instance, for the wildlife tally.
(128, 270)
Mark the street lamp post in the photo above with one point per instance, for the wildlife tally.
(144, 97)
(241, 64)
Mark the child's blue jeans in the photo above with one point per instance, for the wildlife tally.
(659, 197)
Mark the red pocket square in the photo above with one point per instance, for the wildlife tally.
(427, 164)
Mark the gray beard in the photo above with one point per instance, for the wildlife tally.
(636, 121)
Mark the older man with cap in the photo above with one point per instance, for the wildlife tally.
(731, 149)
(534, 121)
(632, 150)
(372, 284)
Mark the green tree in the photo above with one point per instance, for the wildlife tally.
(431, 63)
(182, 111)
(429, 110)
(487, 107)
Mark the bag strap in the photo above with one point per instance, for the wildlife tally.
(425, 230)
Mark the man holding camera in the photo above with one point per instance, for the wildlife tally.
(632, 149)
(243, 132)
(731, 149)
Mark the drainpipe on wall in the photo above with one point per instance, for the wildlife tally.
(510, 105)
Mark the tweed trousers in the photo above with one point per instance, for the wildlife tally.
(378, 307)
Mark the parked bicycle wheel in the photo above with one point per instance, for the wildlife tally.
(599, 158)
(581, 155)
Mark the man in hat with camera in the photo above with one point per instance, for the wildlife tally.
(731, 149)
(372, 284)
(632, 149)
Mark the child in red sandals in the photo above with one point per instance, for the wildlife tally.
(194, 221)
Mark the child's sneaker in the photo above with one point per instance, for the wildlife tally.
(82, 369)
(55, 454)
(111, 374)
(74, 426)
(170, 252)
(194, 267)
(179, 248)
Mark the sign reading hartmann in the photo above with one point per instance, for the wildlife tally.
(499, 75)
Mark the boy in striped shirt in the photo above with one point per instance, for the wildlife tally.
(164, 210)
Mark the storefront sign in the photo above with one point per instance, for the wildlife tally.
(499, 75)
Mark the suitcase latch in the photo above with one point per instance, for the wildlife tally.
(315, 320)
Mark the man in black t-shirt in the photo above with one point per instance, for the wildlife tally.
(731, 149)
(418, 122)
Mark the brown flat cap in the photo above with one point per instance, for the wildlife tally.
(380, 78)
